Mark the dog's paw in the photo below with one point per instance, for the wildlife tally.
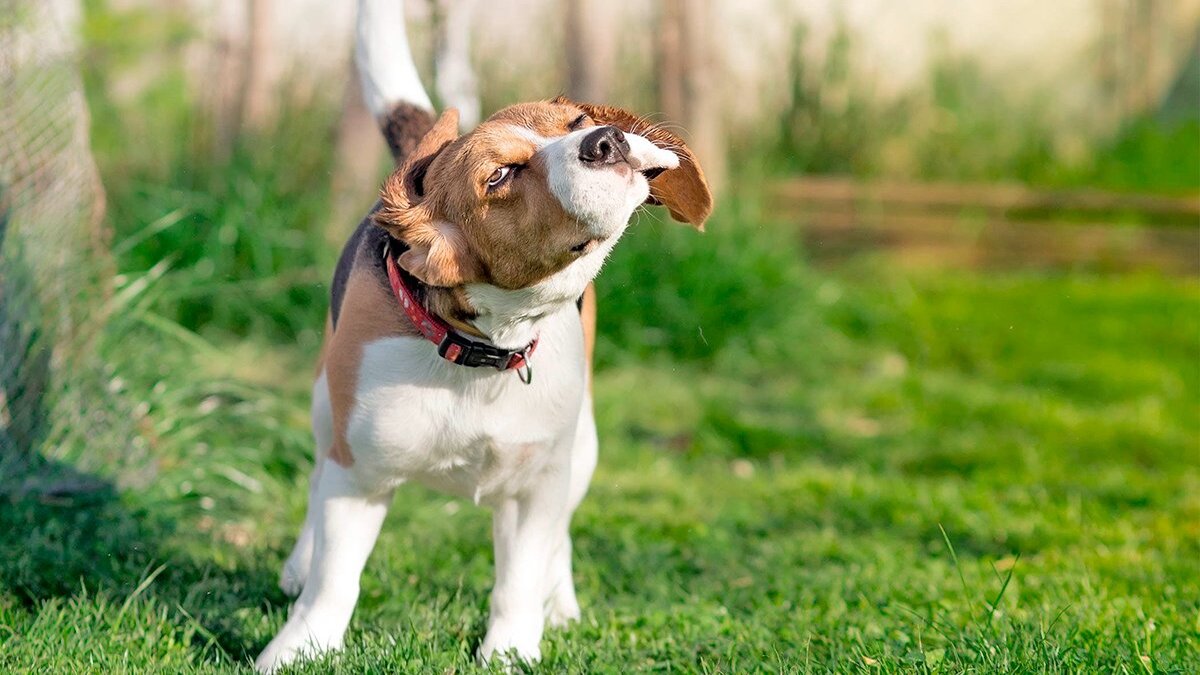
(508, 645)
(562, 610)
(292, 579)
(297, 640)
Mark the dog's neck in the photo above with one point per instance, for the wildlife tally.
(508, 319)
(504, 318)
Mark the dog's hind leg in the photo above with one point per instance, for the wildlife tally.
(562, 607)
(526, 531)
(295, 569)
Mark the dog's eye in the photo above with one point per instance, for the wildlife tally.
(499, 176)
(502, 175)
(578, 123)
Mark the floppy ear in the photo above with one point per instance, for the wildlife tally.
(437, 253)
(684, 191)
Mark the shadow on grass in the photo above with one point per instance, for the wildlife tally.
(69, 534)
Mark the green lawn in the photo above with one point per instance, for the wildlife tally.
(950, 472)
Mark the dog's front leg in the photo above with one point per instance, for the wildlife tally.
(346, 525)
(527, 530)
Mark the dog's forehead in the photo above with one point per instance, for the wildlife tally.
(543, 118)
(512, 134)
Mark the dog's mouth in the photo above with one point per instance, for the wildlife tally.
(652, 173)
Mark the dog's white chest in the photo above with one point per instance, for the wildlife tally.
(468, 431)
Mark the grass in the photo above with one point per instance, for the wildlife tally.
(952, 472)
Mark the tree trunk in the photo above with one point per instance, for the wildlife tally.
(687, 70)
(591, 50)
(454, 78)
(259, 98)
(670, 61)
(225, 86)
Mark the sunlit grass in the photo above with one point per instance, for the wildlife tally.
(747, 515)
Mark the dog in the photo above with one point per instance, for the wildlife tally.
(458, 346)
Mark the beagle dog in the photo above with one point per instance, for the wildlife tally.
(458, 345)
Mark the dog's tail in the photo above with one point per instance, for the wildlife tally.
(390, 83)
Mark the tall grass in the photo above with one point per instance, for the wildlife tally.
(1147, 154)
(237, 225)
(243, 236)
(960, 124)
(670, 291)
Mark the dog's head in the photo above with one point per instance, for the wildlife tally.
(535, 197)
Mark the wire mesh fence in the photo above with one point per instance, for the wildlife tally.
(58, 403)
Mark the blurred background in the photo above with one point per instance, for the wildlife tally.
(955, 253)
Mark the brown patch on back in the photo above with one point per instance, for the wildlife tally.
(403, 129)
(367, 315)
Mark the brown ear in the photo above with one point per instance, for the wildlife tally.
(412, 172)
(437, 253)
(684, 191)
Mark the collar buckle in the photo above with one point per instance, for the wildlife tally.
(466, 352)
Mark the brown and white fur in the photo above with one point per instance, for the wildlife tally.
(505, 228)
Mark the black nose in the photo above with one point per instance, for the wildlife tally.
(606, 145)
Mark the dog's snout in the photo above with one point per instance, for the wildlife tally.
(606, 145)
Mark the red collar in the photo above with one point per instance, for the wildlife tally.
(452, 345)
